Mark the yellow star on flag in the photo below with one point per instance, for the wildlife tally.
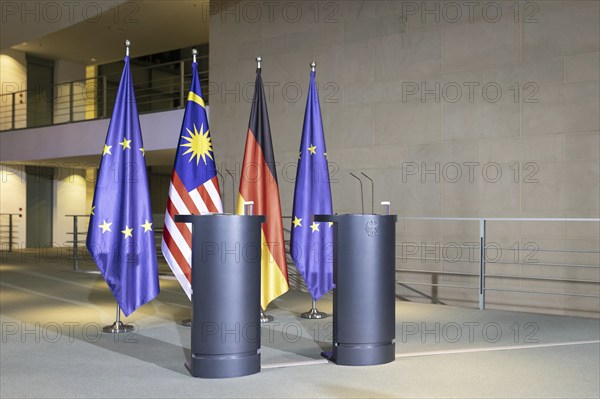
(143, 151)
(106, 150)
(330, 224)
(92, 210)
(125, 143)
(199, 144)
(297, 222)
(314, 227)
(127, 232)
(312, 149)
(147, 226)
(105, 226)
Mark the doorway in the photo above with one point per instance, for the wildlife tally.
(40, 91)
(40, 195)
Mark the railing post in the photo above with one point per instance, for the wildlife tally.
(75, 243)
(482, 243)
(10, 232)
(70, 101)
(104, 94)
(13, 111)
(181, 84)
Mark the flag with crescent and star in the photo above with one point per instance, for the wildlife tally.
(194, 188)
(120, 234)
(311, 243)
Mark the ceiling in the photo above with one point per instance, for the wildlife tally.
(151, 26)
(22, 21)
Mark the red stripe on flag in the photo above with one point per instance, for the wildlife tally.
(177, 255)
(210, 205)
(215, 181)
(259, 185)
(185, 232)
(184, 194)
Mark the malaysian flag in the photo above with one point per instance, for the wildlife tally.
(194, 186)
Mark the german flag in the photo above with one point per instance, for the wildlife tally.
(258, 183)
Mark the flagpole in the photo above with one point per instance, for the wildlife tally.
(188, 322)
(118, 327)
(313, 313)
(232, 190)
(248, 210)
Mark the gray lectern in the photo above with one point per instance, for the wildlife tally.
(226, 253)
(364, 316)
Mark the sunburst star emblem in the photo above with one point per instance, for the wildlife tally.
(199, 144)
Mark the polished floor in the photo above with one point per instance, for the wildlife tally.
(52, 348)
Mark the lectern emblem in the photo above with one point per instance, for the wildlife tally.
(372, 228)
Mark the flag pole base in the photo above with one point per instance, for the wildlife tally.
(265, 318)
(313, 313)
(117, 328)
(186, 322)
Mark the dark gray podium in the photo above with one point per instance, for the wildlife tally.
(226, 253)
(364, 299)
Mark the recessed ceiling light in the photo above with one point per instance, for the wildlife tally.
(93, 60)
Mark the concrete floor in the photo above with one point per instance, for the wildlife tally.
(51, 347)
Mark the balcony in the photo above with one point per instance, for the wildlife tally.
(160, 87)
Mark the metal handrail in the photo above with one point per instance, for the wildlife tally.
(483, 261)
(543, 264)
(10, 233)
(76, 241)
(481, 274)
(594, 251)
(71, 100)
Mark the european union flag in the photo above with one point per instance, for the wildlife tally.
(312, 242)
(120, 235)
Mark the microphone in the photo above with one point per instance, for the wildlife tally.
(362, 196)
(372, 192)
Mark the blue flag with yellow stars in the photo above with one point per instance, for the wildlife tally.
(311, 244)
(120, 234)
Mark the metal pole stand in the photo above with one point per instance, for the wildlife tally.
(186, 322)
(313, 313)
(265, 318)
(118, 327)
